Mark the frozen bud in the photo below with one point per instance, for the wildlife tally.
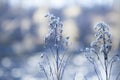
(109, 47)
(99, 37)
(109, 41)
(108, 34)
(61, 31)
(55, 45)
(61, 24)
(116, 58)
(41, 66)
(47, 15)
(58, 39)
(97, 34)
(94, 43)
(101, 25)
(102, 48)
(89, 53)
(41, 55)
(52, 17)
(67, 37)
(92, 50)
(66, 43)
(58, 19)
(47, 37)
(81, 50)
(87, 49)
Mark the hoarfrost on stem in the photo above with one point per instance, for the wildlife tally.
(55, 43)
(102, 46)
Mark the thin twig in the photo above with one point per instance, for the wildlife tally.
(41, 66)
(61, 61)
(100, 61)
(117, 76)
(51, 71)
(64, 66)
(85, 78)
(94, 67)
(74, 76)
(111, 65)
(51, 50)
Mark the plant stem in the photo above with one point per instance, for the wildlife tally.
(64, 66)
(100, 60)
(51, 71)
(105, 54)
(95, 68)
(111, 65)
(57, 52)
(117, 76)
(106, 72)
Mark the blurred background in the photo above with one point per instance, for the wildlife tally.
(23, 28)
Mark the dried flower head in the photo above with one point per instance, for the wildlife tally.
(100, 25)
(54, 36)
(103, 38)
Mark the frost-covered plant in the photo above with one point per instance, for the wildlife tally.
(99, 51)
(54, 67)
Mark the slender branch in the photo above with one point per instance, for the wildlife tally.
(74, 76)
(51, 50)
(61, 61)
(64, 66)
(118, 75)
(85, 78)
(54, 59)
(44, 71)
(111, 65)
(106, 72)
(51, 71)
(57, 52)
(98, 70)
(100, 61)
(95, 68)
